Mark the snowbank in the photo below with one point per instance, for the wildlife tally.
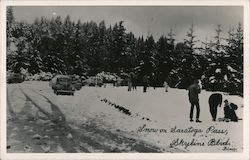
(154, 115)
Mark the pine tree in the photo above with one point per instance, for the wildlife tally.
(62, 46)
(140, 52)
(118, 49)
(148, 59)
(130, 57)
(233, 78)
(189, 59)
(77, 55)
(21, 57)
(190, 41)
(164, 57)
(218, 45)
(10, 20)
(213, 79)
(103, 46)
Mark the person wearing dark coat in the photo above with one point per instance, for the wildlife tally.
(214, 101)
(134, 81)
(145, 83)
(193, 92)
(229, 111)
(129, 82)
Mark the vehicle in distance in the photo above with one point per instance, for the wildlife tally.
(93, 81)
(76, 81)
(62, 84)
(15, 78)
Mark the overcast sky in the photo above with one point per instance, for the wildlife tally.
(156, 20)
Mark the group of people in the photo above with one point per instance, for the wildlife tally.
(132, 82)
(145, 81)
(194, 90)
(215, 100)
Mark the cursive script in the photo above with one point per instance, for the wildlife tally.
(212, 129)
(219, 142)
(186, 144)
(192, 130)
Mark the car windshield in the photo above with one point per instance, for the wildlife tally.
(63, 79)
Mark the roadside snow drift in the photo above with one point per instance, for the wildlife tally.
(157, 117)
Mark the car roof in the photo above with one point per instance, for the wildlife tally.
(13, 73)
(63, 76)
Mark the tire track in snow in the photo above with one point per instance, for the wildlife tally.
(9, 105)
(97, 139)
(74, 144)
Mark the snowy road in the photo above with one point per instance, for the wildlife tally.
(94, 120)
(36, 124)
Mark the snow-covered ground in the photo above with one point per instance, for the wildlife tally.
(154, 114)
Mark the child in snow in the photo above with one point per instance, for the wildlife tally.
(166, 86)
(129, 83)
(229, 112)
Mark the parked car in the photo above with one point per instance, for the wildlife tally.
(15, 78)
(62, 84)
(93, 81)
(76, 81)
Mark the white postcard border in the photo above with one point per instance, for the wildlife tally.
(229, 156)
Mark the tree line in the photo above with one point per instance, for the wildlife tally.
(64, 46)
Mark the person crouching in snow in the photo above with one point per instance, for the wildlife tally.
(229, 111)
(166, 85)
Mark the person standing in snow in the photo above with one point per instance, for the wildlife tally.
(166, 85)
(145, 83)
(193, 95)
(134, 78)
(129, 82)
(153, 80)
